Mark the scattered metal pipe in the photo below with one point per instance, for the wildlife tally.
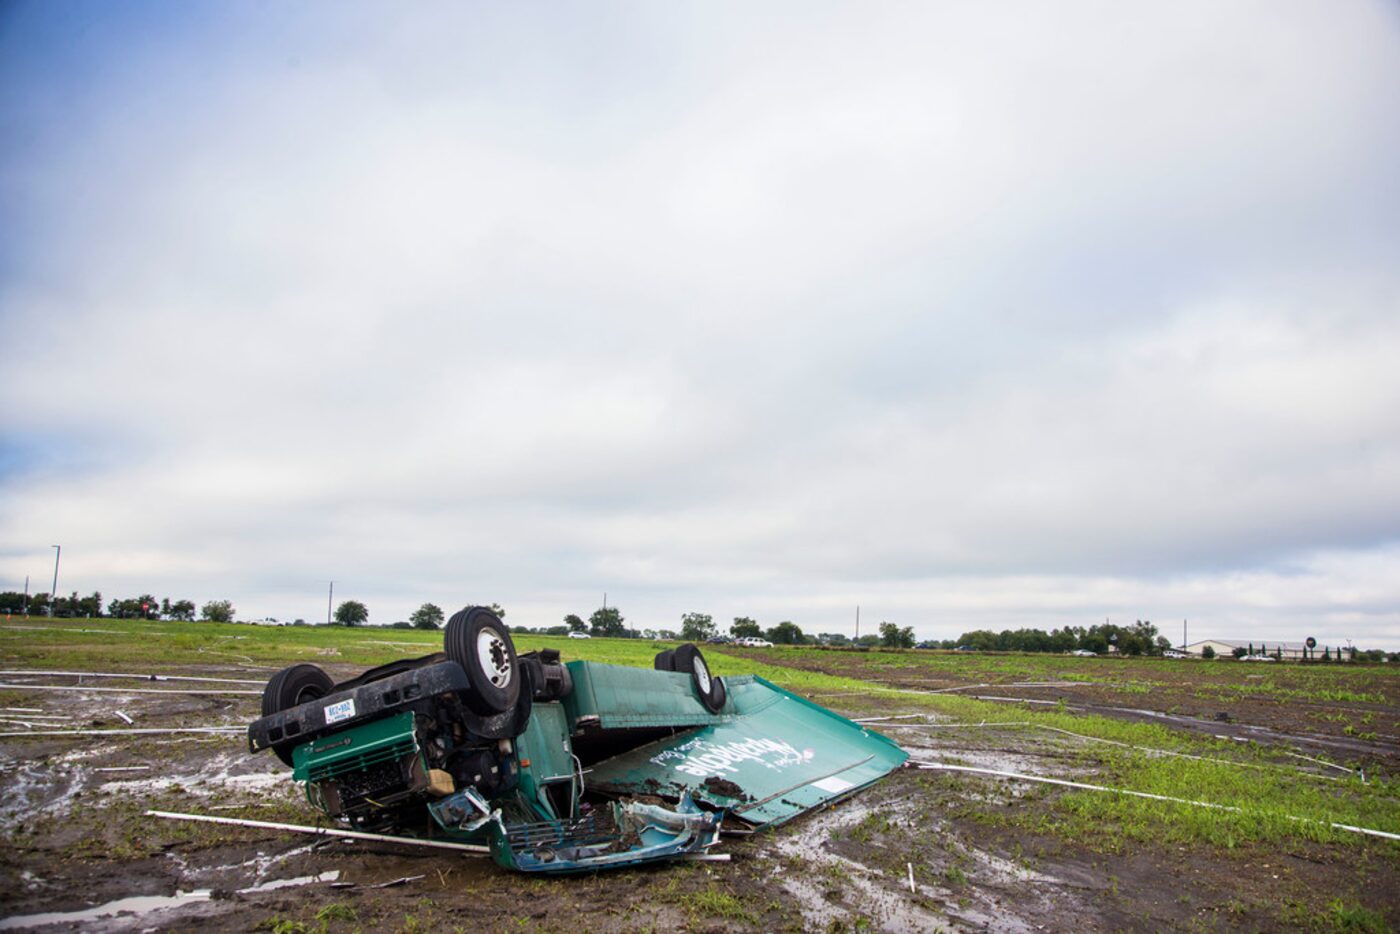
(1084, 786)
(324, 831)
(1114, 742)
(89, 690)
(147, 676)
(210, 730)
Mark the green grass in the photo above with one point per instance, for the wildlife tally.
(714, 902)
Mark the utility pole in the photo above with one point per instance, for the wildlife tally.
(857, 622)
(1183, 635)
(330, 597)
(53, 594)
(26, 595)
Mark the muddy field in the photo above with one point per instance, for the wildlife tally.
(1348, 713)
(924, 850)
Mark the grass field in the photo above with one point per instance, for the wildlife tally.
(1301, 749)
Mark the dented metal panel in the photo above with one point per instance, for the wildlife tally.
(768, 758)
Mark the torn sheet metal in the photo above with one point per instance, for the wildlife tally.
(770, 757)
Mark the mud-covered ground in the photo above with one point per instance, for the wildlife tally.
(921, 851)
(1347, 713)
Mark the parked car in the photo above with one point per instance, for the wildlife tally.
(478, 745)
(1258, 658)
(579, 635)
(1172, 653)
(753, 642)
(1084, 653)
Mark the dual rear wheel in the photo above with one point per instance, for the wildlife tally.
(687, 659)
(475, 638)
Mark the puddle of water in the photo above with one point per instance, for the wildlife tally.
(214, 777)
(137, 905)
(886, 901)
(331, 876)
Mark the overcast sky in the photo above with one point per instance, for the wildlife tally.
(975, 315)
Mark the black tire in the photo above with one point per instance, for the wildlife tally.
(688, 658)
(718, 695)
(291, 687)
(477, 640)
(662, 662)
(294, 685)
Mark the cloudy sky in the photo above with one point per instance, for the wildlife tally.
(973, 315)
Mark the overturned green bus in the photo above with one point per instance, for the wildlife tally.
(560, 767)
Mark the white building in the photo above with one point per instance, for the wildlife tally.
(1224, 648)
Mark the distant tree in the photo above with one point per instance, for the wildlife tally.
(983, 640)
(66, 606)
(668, 635)
(427, 616)
(575, 623)
(868, 639)
(182, 610)
(834, 638)
(351, 613)
(1239, 652)
(697, 627)
(1326, 653)
(744, 628)
(298, 622)
(218, 611)
(892, 637)
(1208, 652)
(1095, 641)
(404, 624)
(786, 633)
(606, 621)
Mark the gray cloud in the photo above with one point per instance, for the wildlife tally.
(1011, 316)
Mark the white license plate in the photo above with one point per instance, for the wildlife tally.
(341, 710)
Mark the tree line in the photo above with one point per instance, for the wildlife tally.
(701, 627)
(1141, 638)
(145, 606)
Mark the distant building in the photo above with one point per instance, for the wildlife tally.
(1224, 648)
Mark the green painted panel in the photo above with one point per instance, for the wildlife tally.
(771, 756)
(357, 748)
(545, 747)
(620, 697)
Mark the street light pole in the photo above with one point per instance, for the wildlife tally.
(53, 594)
(330, 596)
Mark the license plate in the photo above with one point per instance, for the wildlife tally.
(341, 710)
